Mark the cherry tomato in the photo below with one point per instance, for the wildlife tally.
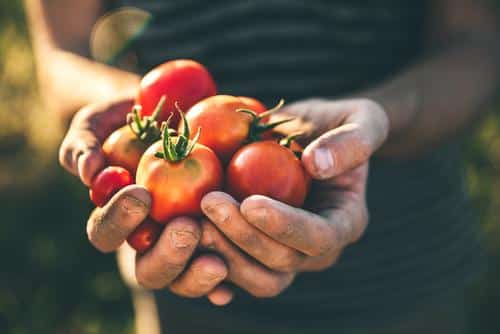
(108, 182)
(222, 128)
(178, 172)
(144, 236)
(226, 129)
(253, 104)
(123, 148)
(183, 81)
(269, 169)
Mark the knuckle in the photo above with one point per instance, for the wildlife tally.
(248, 238)
(157, 279)
(270, 289)
(66, 154)
(322, 247)
(145, 280)
(360, 227)
(285, 262)
(368, 105)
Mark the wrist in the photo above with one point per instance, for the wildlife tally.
(401, 107)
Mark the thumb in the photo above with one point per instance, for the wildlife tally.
(350, 144)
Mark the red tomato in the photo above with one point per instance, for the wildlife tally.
(108, 182)
(222, 128)
(123, 148)
(183, 81)
(253, 104)
(144, 236)
(269, 169)
(178, 172)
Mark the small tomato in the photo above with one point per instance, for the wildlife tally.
(144, 236)
(108, 182)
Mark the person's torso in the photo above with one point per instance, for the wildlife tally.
(421, 237)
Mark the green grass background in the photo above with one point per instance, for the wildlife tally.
(52, 281)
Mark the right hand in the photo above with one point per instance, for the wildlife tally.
(168, 263)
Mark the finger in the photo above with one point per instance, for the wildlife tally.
(202, 276)
(224, 212)
(89, 164)
(243, 271)
(221, 295)
(352, 143)
(109, 226)
(167, 259)
(297, 228)
(80, 152)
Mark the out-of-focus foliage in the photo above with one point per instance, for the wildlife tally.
(52, 281)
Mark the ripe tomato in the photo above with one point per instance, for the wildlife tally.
(183, 81)
(144, 236)
(224, 129)
(178, 172)
(107, 183)
(269, 169)
(253, 104)
(125, 146)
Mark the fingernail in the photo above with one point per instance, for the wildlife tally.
(132, 205)
(258, 216)
(182, 239)
(218, 213)
(324, 161)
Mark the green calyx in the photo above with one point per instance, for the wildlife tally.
(257, 128)
(287, 142)
(146, 128)
(176, 148)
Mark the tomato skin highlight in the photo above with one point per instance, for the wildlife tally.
(183, 81)
(223, 129)
(144, 236)
(107, 183)
(177, 188)
(269, 169)
(123, 148)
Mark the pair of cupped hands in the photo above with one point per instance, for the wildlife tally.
(260, 244)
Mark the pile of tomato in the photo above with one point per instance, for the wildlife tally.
(182, 141)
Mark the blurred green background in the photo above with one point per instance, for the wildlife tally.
(52, 281)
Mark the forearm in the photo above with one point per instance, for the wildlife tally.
(69, 81)
(434, 100)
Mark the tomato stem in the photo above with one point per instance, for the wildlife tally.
(145, 128)
(257, 128)
(287, 142)
(176, 149)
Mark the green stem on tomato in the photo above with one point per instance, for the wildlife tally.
(146, 129)
(257, 128)
(179, 149)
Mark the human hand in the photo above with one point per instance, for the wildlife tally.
(169, 263)
(280, 240)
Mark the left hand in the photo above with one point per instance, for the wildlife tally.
(285, 240)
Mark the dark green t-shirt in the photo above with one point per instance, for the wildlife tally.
(422, 240)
